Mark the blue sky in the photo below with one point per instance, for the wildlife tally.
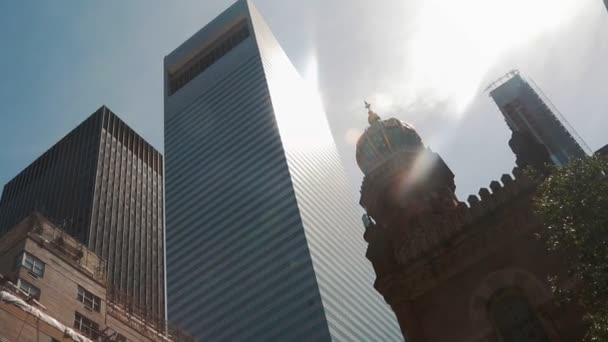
(420, 61)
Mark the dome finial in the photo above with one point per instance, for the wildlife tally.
(372, 117)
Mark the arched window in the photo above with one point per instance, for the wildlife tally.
(514, 318)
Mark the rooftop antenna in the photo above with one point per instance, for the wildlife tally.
(500, 80)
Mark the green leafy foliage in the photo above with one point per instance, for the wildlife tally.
(572, 202)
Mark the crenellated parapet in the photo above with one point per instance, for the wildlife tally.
(448, 268)
(432, 232)
(499, 192)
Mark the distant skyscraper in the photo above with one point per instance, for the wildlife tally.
(602, 151)
(527, 113)
(104, 184)
(262, 234)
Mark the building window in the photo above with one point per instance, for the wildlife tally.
(31, 263)
(28, 288)
(86, 326)
(515, 319)
(117, 337)
(89, 300)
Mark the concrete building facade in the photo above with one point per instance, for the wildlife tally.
(55, 276)
(262, 242)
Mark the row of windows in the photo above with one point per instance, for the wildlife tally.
(205, 60)
(90, 301)
(114, 127)
(125, 194)
(90, 329)
(36, 268)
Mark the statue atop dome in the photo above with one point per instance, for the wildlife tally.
(372, 117)
(403, 179)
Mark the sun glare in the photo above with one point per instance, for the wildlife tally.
(311, 72)
(456, 42)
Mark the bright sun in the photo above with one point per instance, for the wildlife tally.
(456, 42)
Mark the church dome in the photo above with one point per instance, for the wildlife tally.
(383, 139)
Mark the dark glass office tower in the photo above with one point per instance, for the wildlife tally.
(263, 238)
(525, 111)
(104, 184)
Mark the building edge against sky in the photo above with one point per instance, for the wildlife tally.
(317, 174)
(256, 197)
(526, 110)
(101, 182)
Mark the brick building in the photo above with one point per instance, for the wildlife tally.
(453, 271)
(46, 273)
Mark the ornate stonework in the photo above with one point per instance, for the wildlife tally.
(441, 263)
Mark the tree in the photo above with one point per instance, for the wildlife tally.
(572, 203)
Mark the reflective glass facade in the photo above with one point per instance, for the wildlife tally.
(104, 185)
(263, 239)
(525, 111)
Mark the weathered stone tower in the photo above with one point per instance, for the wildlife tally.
(452, 271)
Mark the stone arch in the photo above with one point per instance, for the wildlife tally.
(536, 292)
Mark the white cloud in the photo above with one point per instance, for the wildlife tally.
(455, 43)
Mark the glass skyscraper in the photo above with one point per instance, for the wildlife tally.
(525, 111)
(263, 238)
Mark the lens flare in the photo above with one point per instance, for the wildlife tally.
(352, 136)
